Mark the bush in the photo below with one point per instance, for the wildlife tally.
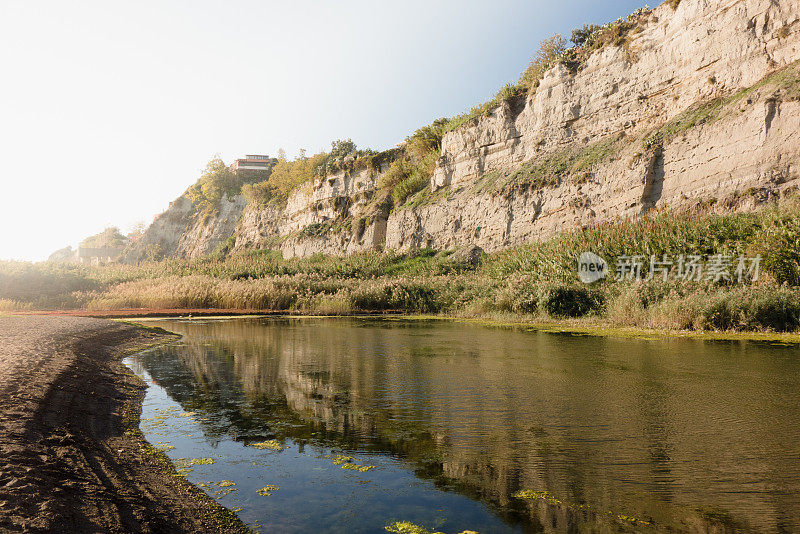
(413, 171)
(757, 308)
(569, 301)
(550, 51)
(216, 180)
(110, 237)
(780, 247)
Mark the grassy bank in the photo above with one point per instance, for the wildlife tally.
(536, 281)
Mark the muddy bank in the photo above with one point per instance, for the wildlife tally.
(71, 456)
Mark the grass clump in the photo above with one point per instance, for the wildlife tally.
(550, 170)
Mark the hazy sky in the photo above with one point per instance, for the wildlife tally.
(110, 109)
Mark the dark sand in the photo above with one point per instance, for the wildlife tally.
(71, 456)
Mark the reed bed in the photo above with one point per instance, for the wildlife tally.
(538, 279)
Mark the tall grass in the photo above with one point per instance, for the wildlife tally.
(538, 279)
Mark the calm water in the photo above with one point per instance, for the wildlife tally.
(456, 419)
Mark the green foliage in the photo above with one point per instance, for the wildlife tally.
(317, 229)
(341, 148)
(43, 285)
(506, 94)
(260, 193)
(216, 181)
(780, 246)
(550, 51)
(412, 172)
(537, 279)
(226, 246)
(417, 179)
(110, 237)
(569, 301)
(287, 176)
(585, 34)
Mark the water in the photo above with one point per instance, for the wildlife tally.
(456, 419)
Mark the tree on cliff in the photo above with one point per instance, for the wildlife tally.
(110, 237)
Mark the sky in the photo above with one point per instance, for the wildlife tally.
(109, 110)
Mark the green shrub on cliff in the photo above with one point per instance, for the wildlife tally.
(217, 181)
(412, 171)
(110, 237)
(551, 50)
(288, 175)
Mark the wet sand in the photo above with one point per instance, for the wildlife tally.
(71, 456)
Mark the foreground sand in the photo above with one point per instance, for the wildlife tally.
(71, 456)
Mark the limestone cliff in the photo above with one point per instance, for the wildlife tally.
(699, 106)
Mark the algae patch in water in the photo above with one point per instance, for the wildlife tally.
(540, 495)
(346, 462)
(266, 491)
(184, 466)
(356, 467)
(407, 527)
(550, 499)
(270, 444)
(184, 463)
(225, 487)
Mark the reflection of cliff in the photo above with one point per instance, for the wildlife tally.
(489, 412)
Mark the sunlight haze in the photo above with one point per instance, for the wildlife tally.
(109, 110)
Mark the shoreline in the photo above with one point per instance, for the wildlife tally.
(580, 326)
(72, 454)
(72, 457)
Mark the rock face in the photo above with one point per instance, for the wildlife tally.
(182, 232)
(702, 105)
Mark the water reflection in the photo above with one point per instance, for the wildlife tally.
(678, 433)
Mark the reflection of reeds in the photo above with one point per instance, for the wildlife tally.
(538, 279)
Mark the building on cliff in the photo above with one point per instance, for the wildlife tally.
(252, 162)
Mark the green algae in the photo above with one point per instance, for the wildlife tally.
(537, 495)
(407, 527)
(356, 467)
(348, 462)
(267, 490)
(271, 444)
(188, 463)
(548, 497)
